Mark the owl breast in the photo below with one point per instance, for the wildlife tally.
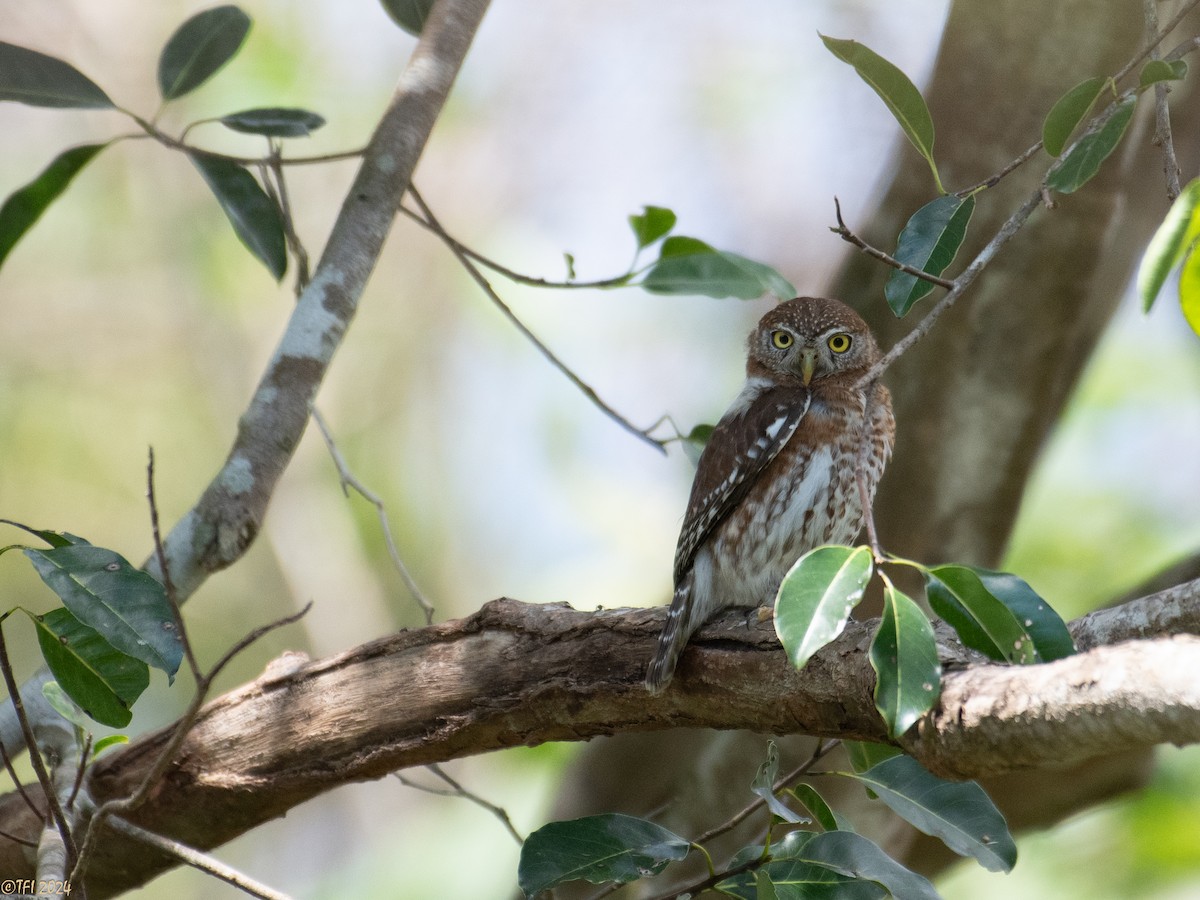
(807, 497)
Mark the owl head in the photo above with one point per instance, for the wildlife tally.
(811, 338)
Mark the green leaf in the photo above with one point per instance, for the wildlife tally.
(1189, 291)
(695, 441)
(688, 265)
(816, 596)
(27, 76)
(764, 889)
(904, 656)
(64, 705)
(764, 787)
(1066, 114)
(408, 14)
(254, 216)
(865, 754)
(111, 741)
(998, 614)
(1157, 70)
(822, 811)
(1048, 632)
(797, 879)
(598, 849)
(274, 121)
(1083, 160)
(852, 854)
(957, 812)
(102, 680)
(25, 206)
(1172, 242)
(929, 242)
(125, 605)
(958, 595)
(653, 223)
(199, 48)
(897, 92)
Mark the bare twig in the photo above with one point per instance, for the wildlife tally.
(164, 570)
(486, 287)
(847, 235)
(512, 274)
(58, 816)
(12, 773)
(276, 183)
(198, 860)
(348, 481)
(1162, 115)
(457, 790)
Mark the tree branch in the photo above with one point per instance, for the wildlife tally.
(522, 674)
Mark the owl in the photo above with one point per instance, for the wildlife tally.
(778, 476)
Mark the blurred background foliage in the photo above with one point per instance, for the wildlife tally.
(130, 317)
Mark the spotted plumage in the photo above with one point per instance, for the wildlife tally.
(778, 475)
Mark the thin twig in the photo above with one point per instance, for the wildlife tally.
(80, 770)
(1162, 114)
(512, 274)
(179, 143)
(12, 773)
(277, 185)
(487, 288)
(866, 501)
(457, 790)
(198, 860)
(993, 180)
(1002, 237)
(168, 585)
(35, 757)
(348, 481)
(847, 235)
(24, 842)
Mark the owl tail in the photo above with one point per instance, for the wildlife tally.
(682, 622)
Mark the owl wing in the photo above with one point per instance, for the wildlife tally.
(740, 448)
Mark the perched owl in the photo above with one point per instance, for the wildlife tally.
(778, 476)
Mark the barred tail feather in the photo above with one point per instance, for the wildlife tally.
(683, 619)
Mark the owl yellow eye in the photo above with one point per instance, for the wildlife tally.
(782, 340)
(839, 343)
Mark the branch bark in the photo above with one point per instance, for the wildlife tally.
(521, 674)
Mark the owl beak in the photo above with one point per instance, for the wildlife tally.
(808, 363)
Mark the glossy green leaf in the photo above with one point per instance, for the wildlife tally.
(25, 206)
(111, 740)
(62, 704)
(1171, 244)
(929, 242)
(1066, 114)
(797, 879)
(653, 223)
(274, 121)
(864, 755)
(764, 787)
(957, 812)
(598, 849)
(904, 656)
(254, 216)
(1083, 160)
(102, 680)
(1047, 631)
(27, 76)
(821, 811)
(199, 48)
(816, 596)
(1157, 70)
(897, 92)
(408, 14)
(695, 441)
(125, 605)
(688, 265)
(1189, 291)
(853, 854)
(983, 623)
(998, 614)
(764, 888)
